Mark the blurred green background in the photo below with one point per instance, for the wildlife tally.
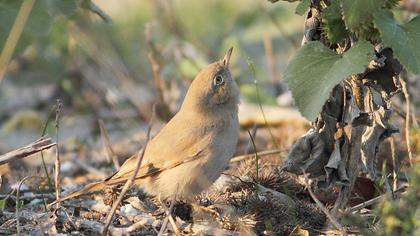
(93, 55)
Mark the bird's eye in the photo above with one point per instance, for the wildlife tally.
(218, 80)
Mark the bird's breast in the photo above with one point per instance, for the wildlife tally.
(221, 149)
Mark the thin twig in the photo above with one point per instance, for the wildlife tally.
(17, 201)
(355, 134)
(44, 130)
(395, 169)
(252, 69)
(332, 219)
(128, 183)
(28, 198)
(163, 110)
(254, 134)
(260, 154)
(407, 119)
(57, 171)
(107, 145)
(163, 227)
(9, 195)
(156, 66)
(37, 146)
(126, 231)
(14, 35)
(169, 217)
(91, 6)
(255, 153)
(373, 201)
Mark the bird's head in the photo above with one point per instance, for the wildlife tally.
(214, 88)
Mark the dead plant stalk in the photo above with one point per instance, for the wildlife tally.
(107, 145)
(57, 176)
(127, 185)
(332, 219)
(14, 35)
(17, 201)
(407, 119)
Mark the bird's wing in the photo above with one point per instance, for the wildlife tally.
(172, 146)
(144, 171)
(149, 169)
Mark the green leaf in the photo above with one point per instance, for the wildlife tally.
(359, 12)
(314, 71)
(403, 39)
(302, 7)
(2, 204)
(334, 24)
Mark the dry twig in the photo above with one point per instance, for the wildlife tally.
(127, 184)
(17, 202)
(249, 144)
(28, 198)
(395, 168)
(373, 201)
(163, 110)
(407, 119)
(14, 35)
(260, 154)
(107, 145)
(57, 172)
(332, 219)
(37, 146)
(256, 154)
(168, 217)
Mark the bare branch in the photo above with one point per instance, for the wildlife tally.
(332, 219)
(57, 165)
(260, 154)
(107, 145)
(17, 201)
(41, 144)
(128, 184)
(14, 35)
(407, 119)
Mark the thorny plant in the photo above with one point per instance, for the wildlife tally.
(354, 62)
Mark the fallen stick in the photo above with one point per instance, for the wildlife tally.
(374, 200)
(332, 218)
(260, 154)
(37, 146)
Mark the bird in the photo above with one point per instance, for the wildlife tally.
(193, 149)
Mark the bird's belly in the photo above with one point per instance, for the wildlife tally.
(191, 178)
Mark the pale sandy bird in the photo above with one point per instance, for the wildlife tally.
(194, 147)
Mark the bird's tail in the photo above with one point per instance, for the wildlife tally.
(93, 187)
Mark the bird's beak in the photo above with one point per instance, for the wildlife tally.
(226, 59)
